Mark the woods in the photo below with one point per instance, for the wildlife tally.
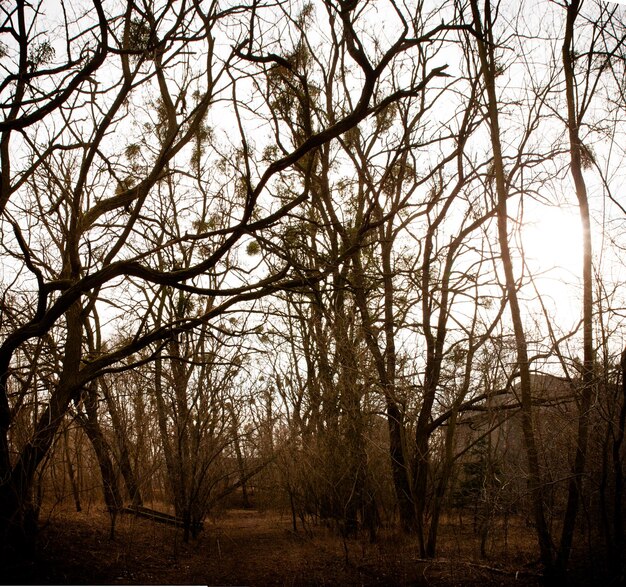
(282, 255)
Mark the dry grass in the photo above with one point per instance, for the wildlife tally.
(247, 547)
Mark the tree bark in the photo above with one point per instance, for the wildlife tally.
(18, 518)
(618, 546)
(580, 458)
(89, 422)
(70, 471)
(130, 479)
(485, 42)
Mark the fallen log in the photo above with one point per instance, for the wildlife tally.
(160, 517)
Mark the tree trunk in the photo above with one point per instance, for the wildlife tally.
(395, 418)
(239, 455)
(130, 479)
(618, 546)
(70, 470)
(442, 485)
(163, 428)
(399, 467)
(18, 518)
(575, 483)
(485, 44)
(89, 422)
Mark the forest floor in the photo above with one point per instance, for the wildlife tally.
(249, 547)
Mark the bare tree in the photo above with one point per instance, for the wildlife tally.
(486, 44)
(94, 198)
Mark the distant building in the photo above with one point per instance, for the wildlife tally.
(495, 468)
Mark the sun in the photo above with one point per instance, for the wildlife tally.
(552, 241)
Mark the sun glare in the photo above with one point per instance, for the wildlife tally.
(552, 241)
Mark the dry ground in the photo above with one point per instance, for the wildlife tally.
(248, 547)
